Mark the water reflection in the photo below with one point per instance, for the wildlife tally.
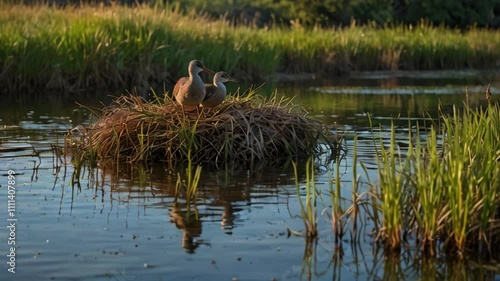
(186, 220)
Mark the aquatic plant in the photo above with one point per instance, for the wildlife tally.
(308, 206)
(356, 199)
(391, 193)
(430, 208)
(192, 176)
(448, 187)
(471, 166)
(335, 201)
(443, 184)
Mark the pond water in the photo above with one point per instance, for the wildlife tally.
(127, 225)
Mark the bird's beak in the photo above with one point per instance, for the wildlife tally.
(232, 80)
(209, 70)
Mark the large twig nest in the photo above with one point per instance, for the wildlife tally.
(244, 131)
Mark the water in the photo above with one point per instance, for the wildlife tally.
(126, 225)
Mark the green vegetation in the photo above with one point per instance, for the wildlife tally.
(143, 47)
(392, 180)
(443, 185)
(326, 12)
(190, 185)
(334, 12)
(309, 210)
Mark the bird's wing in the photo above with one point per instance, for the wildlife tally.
(181, 82)
(210, 91)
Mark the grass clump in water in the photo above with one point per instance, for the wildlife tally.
(439, 187)
(308, 206)
(447, 188)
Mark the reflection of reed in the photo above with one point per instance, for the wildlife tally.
(312, 260)
(190, 225)
(227, 222)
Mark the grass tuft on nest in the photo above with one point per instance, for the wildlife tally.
(244, 130)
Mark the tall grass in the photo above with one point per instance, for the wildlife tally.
(76, 48)
(391, 194)
(442, 185)
(308, 207)
(471, 160)
(430, 207)
(192, 176)
(447, 188)
(335, 201)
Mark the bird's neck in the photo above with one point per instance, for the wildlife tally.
(220, 85)
(196, 80)
(194, 76)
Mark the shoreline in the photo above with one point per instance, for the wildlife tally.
(116, 47)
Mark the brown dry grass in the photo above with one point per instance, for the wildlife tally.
(243, 130)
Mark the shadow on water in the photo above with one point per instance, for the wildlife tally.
(128, 224)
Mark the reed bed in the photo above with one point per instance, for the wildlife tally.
(248, 131)
(446, 188)
(76, 48)
(439, 191)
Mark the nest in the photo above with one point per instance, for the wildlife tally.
(243, 130)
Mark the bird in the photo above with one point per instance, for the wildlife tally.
(216, 92)
(190, 91)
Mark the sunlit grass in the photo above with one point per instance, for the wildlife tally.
(308, 205)
(43, 47)
(471, 172)
(336, 202)
(442, 185)
(448, 187)
(192, 175)
(391, 193)
(430, 208)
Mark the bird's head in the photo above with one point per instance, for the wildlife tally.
(196, 66)
(222, 77)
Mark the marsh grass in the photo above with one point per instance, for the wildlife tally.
(192, 175)
(440, 190)
(337, 216)
(308, 205)
(430, 209)
(391, 194)
(446, 188)
(471, 172)
(77, 48)
(187, 185)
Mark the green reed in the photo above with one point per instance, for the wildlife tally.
(75, 48)
(356, 201)
(444, 186)
(309, 212)
(430, 208)
(335, 200)
(188, 136)
(447, 187)
(471, 162)
(393, 183)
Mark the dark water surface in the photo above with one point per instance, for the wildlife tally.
(127, 225)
